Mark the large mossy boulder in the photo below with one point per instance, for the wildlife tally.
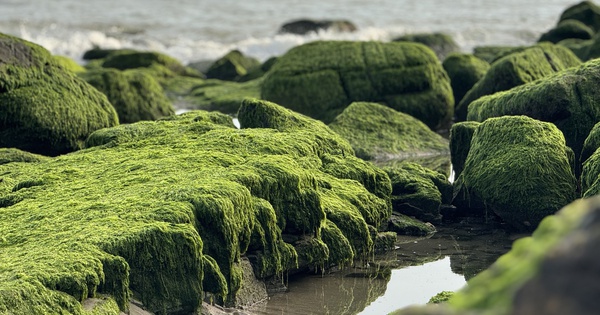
(136, 95)
(464, 71)
(568, 99)
(379, 133)
(586, 12)
(45, 108)
(520, 169)
(320, 79)
(168, 208)
(442, 44)
(232, 66)
(517, 69)
(567, 29)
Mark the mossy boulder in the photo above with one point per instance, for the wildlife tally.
(260, 71)
(167, 209)
(591, 143)
(464, 71)
(305, 26)
(520, 169)
(320, 79)
(69, 64)
(442, 44)
(419, 192)
(216, 95)
(517, 69)
(44, 108)
(158, 64)
(590, 185)
(404, 225)
(100, 53)
(379, 133)
(568, 99)
(232, 66)
(461, 134)
(567, 29)
(136, 95)
(492, 53)
(586, 12)
(8, 155)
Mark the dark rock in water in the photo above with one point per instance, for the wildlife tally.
(567, 98)
(405, 225)
(320, 79)
(442, 44)
(232, 66)
(379, 133)
(461, 135)
(586, 12)
(305, 26)
(464, 71)
(44, 108)
(518, 168)
(136, 95)
(516, 69)
(567, 29)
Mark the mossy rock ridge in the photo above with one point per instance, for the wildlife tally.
(586, 12)
(464, 71)
(379, 133)
(520, 169)
(167, 209)
(44, 108)
(320, 79)
(517, 69)
(568, 99)
(567, 29)
(136, 95)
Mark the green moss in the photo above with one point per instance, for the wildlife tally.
(45, 109)
(567, 29)
(8, 155)
(460, 143)
(567, 99)
(377, 132)
(99, 53)
(590, 186)
(441, 297)
(591, 143)
(158, 64)
(442, 44)
(69, 64)
(586, 11)
(492, 53)
(232, 66)
(134, 94)
(517, 69)
(222, 96)
(258, 72)
(464, 71)
(519, 167)
(340, 250)
(320, 79)
(105, 306)
(405, 225)
(493, 290)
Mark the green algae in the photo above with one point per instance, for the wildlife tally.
(464, 70)
(461, 134)
(159, 64)
(223, 96)
(379, 133)
(8, 155)
(232, 66)
(405, 225)
(320, 79)
(493, 290)
(135, 95)
(69, 64)
(518, 68)
(164, 210)
(519, 168)
(567, 29)
(441, 297)
(44, 108)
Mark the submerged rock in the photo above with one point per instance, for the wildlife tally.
(518, 168)
(567, 29)
(464, 71)
(442, 44)
(305, 26)
(135, 94)
(379, 133)
(517, 69)
(320, 79)
(169, 208)
(232, 66)
(44, 108)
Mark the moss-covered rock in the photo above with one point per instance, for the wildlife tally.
(405, 225)
(135, 94)
(591, 143)
(460, 143)
(160, 65)
(260, 71)
(520, 169)
(442, 44)
(232, 66)
(517, 69)
(492, 53)
(8, 155)
(69, 64)
(167, 209)
(379, 133)
(441, 297)
(590, 185)
(586, 12)
(567, 29)
(496, 290)
(44, 108)
(568, 99)
(100, 53)
(320, 79)
(464, 71)
(419, 192)
(216, 95)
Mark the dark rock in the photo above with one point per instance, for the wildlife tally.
(305, 26)
(567, 29)
(232, 66)
(442, 44)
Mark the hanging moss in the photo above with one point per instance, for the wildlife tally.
(134, 94)
(519, 167)
(320, 79)
(340, 250)
(377, 132)
(460, 143)
(45, 109)
(518, 68)
(464, 71)
(567, 29)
